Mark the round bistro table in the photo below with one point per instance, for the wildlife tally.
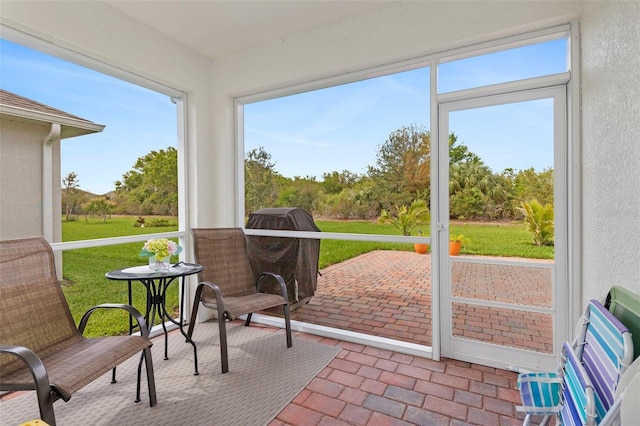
(156, 284)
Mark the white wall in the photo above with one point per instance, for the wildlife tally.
(610, 146)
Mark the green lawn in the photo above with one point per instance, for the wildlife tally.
(504, 239)
(83, 271)
(85, 284)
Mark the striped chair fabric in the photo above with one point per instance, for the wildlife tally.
(578, 395)
(540, 392)
(606, 353)
(590, 371)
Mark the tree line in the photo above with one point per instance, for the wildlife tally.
(149, 188)
(401, 175)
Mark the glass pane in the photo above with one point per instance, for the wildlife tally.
(137, 147)
(505, 327)
(500, 67)
(516, 136)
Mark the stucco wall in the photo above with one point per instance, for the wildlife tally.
(21, 179)
(611, 146)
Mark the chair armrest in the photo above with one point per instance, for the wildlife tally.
(142, 324)
(216, 291)
(37, 370)
(283, 285)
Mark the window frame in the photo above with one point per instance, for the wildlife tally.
(568, 31)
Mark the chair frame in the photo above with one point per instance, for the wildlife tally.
(223, 313)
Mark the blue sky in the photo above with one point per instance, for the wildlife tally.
(308, 134)
(340, 128)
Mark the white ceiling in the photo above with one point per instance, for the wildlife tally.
(218, 27)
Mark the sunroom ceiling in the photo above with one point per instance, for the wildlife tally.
(215, 28)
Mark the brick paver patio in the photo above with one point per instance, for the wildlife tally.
(388, 294)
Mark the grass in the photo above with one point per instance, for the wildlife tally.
(504, 239)
(85, 284)
(83, 271)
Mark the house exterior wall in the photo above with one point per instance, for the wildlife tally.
(610, 146)
(21, 180)
(21, 183)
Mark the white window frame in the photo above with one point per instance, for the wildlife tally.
(569, 31)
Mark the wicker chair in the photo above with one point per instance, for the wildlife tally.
(41, 348)
(227, 283)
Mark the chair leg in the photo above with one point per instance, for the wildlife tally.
(151, 381)
(45, 404)
(192, 323)
(221, 312)
(287, 324)
(223, 344)
(248, 321)
(194, 310)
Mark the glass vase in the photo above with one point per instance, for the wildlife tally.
(157, 264)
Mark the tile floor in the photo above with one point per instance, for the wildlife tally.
(369, 386)
(388, 294)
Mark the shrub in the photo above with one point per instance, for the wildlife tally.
(409, 218)
(158, 222)
(538, 220)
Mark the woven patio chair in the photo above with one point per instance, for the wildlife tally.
(41, 348)
(227, 284)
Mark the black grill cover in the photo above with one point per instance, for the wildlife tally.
(295, 259)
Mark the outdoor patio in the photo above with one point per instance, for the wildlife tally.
(365, 385)
(383, 293)
(388, 294)
(361, 385)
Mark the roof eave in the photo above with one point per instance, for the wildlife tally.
(70, 127)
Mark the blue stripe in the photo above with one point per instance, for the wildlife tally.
(539, 390)
(570, 414)
(551, 394)
(535, 394)
(574, 392)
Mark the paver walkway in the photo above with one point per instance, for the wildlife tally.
(388, 294)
